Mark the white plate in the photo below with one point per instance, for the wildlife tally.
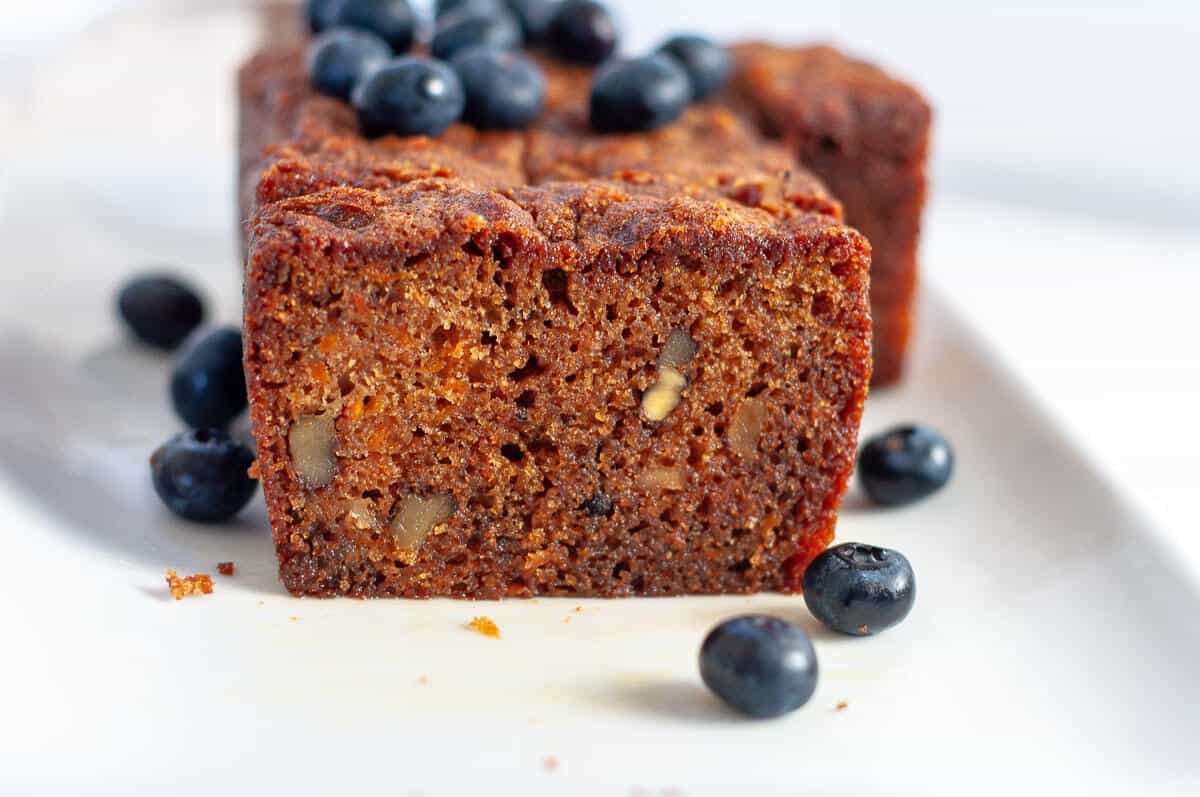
(1053, 647)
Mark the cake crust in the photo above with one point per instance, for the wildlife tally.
(452, 347)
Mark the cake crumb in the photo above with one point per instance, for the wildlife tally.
(485, 626)
(225, 568)
(199, 584)
(294, 619)
(423, 680)
(841, 706)
(550, 763)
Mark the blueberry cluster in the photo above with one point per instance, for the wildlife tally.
(765, 666)
(201, 474)
(476, 73)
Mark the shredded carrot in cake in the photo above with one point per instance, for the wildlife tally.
(485, 626)
(199, 584)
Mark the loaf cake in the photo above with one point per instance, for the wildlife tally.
(545, 362)
(866, 135)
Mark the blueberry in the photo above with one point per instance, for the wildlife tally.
(410, 97)
(459, 32)
(201, 475)
(706, 63)
(504, 90)
(859, 589)
(761, 666)
(638, 95)
(322, 14)
(208, 386)
(160, 309)
(598, 505)
(339, 58)
(904, 465)
(583, 31)
(391, 20)
(443, 8)
(535, 17)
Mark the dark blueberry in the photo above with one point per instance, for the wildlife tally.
(322, 14)
(859, 589)
(391, 20)
(459, 32)
(904, 465)
(535, 17)
(444, 8)
(160, 309)
(762, 666)
(201, 475)
(410, 97)
(638, 95)
(706, 63)
(339, 58)
(208, 387)
(504, 89)
(598, 505)
(583, 31)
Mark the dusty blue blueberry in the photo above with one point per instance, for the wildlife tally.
(463, 31)
(409, 97)
(583, 31)
(208, 386)
(322, 14)
(707, 64)
(638, 95)
(201, 475)
(339, 58)
(160, 309)
(859, 589)
(904, 465)
(762, 666)
(504, 89)
(535, 17)
(391, 20)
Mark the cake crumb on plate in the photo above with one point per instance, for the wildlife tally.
(199, 584)
(226, 568)
(485, 626)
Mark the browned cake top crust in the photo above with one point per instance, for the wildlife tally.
(307, 142)
(820, 88)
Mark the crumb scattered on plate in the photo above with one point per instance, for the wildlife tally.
(550, 763)
(225, 568)
(294, 619)
(485, 626)
(199, 584)
(423, 680)
(841, 706)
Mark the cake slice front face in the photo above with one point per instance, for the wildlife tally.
(547, 363)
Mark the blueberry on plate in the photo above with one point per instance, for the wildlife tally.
(859, 589)
(208, 386)
(638, 95)
(462, 31)
(409, 97)
(322, 14)
(340, 57)
(201, 475)
(904, 465)
(535, 17)
(444, 8)
(160, 310)
(707, 64)
(583, 31)
(759, 665)
(504, 89)
(391, 20)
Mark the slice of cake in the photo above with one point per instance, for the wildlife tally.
(544, 363)
(866, 135)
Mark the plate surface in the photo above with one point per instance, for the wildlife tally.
(1053, 647)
